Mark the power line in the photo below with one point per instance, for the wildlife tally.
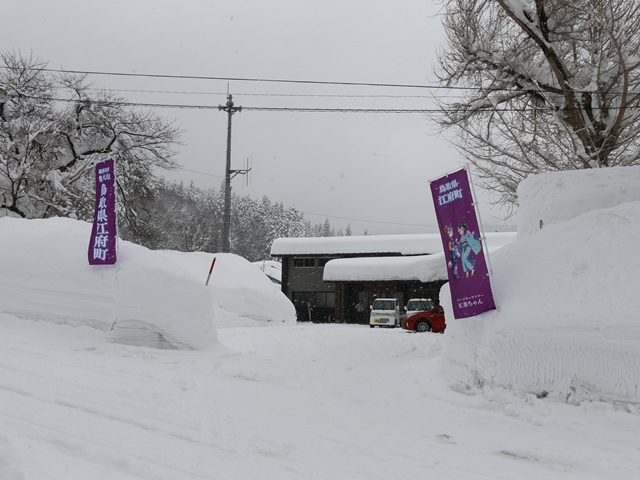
(322, 214)
(343, 218)
(286, 81)
(339, 110)
(549, 109)
(368, 221)
(201, 173)
(215, 107)
(299, 95)
(388, 223)
(244, 79)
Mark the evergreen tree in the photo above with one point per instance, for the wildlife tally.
(326, 229)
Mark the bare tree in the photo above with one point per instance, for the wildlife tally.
(54, 129)
(544, 84)
(27, 135)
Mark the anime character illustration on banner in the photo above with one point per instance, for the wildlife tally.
(467, 269)
(462, 250)
(469, 243)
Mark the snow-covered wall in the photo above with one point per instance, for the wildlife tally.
(568, 323)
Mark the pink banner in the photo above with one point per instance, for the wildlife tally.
(466, 264)
(102, 245)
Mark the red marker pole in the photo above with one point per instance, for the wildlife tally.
(210, 270)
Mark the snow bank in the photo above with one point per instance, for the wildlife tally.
(560, 196)
(150, 298)
(568, 323)
(242, 294)
(144, 299)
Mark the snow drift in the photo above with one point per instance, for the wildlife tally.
(568, 323)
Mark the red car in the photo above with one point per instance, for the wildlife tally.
(430, 321)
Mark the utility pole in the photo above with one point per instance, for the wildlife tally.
(226, 231)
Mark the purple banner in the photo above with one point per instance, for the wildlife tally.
(466, 264)
(102, 246)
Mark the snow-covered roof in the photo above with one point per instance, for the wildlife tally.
(423, 268)
(414, 244)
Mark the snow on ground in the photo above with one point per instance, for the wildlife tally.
(279, 400)
(281, 403)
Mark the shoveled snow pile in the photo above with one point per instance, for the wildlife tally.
(148, 298)
(560, 196)
(144, 298)
(243, 295)
(568, 323)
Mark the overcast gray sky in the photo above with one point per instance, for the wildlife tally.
(369, 170)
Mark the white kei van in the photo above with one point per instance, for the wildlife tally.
(385, 312)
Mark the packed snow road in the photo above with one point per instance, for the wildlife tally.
(289, 402)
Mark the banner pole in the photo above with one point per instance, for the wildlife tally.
(115, 198)
(484, 237)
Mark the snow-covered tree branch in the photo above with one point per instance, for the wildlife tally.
(544, 85)
(54, 129)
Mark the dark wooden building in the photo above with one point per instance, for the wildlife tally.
(318, 299)
(335, 279)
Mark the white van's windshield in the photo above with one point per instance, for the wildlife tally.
(384, 305)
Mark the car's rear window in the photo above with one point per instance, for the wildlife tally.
(418, 305)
